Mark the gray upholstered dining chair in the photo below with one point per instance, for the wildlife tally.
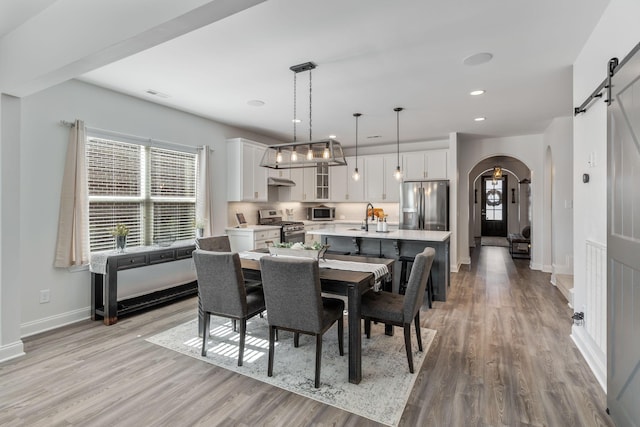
(294, 303)
(214, 243)
(222, 292)
(401, 310)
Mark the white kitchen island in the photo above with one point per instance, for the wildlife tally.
(393, 244)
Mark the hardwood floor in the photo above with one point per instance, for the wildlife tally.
(502, 356)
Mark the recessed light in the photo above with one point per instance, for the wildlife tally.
(255, 103)
(478, 58)
(296, 120)
(480, 119)
(476, 92)
(156, 93)
(332, 136)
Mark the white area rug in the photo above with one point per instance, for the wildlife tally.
(495, 241)
(381, 395)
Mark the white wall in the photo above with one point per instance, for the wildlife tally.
(527, 149)
(614, 36)
(42, 153)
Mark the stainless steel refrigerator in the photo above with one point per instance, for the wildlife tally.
(424, 205)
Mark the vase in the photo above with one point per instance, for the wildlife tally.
(121, 243)
(199, 232)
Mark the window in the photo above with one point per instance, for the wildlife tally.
(151, 190)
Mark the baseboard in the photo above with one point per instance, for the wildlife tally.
(535, 266)
(53, 322)
(566, 270)
(466, 260)
(593, 355)
(11, 351)
(553, 280)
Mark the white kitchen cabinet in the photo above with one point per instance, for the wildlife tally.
(379, 183)
(420, 165)
(297, 192)
(246, 179)
(342, 185)
(246, 239)
(310, 239)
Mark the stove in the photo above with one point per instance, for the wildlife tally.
(290, 231)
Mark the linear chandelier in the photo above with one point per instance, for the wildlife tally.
(303, 154)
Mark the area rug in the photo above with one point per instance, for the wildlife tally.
(381, 395)
(495, 241)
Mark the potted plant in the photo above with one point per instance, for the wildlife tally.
(120, 232)
(199, 225)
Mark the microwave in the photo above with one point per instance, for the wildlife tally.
(321, 213)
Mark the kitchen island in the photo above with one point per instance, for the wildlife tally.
(393, 244)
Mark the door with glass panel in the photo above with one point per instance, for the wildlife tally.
(494, 208)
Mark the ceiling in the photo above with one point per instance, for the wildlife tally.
(371, 56)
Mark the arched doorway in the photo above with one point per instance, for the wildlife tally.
(499, 206)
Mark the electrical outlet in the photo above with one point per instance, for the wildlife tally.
(45, 296)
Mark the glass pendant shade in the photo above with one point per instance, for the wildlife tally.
(356, 175)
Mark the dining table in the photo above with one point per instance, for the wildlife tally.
(350, 283)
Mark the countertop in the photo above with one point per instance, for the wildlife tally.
(393, 234)
(254, 228)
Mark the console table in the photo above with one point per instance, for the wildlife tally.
(104, 269)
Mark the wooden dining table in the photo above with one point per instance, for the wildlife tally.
(351, 284)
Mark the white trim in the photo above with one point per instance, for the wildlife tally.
(466, 260)
(535, 266)
(54, 322)
(140, 140)
(11, 351)
(591, 354)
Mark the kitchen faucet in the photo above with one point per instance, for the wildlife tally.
(366, 216)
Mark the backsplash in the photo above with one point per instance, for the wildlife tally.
(344, 211)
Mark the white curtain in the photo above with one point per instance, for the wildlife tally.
(72, 247)
(203, 196)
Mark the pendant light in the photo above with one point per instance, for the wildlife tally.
(356, 174)
(398, 172)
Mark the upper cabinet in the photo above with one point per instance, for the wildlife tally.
(379, 183)
(342, 185)
(312, 184)
(246, 179)
(422, 165)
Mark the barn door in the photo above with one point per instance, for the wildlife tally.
(623, 245)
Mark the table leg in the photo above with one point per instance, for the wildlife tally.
(111, 296)
(97, 282)
(355, 336)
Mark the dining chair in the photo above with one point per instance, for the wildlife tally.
(401, 310)
(222, 292)
(294, 303)
(214, 243)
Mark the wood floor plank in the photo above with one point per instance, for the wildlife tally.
(502, 356)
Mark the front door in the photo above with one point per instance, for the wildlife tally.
(494, 207)
(623, 246)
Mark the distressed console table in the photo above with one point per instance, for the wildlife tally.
(104, 269)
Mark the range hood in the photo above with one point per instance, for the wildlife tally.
(280, 182)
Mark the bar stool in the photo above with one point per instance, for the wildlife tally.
(405, 271)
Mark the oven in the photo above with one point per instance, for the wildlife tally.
(292, 233)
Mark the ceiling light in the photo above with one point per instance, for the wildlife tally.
(478, 59)
(480, 119)
(356, 174)
(332, 154)
(332, 136)
(255, 103)
(476, 92)
(398, 173)
(296, 120)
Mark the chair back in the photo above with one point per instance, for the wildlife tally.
(221, 283)
(292, 292)
(214, 243)
(417, 284)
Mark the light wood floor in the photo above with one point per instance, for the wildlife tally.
(502, 356)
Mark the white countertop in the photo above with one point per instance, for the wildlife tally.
(394, 234)
(254, 228)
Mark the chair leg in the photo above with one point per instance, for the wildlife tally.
(341, 335)
(407, 345)
(272, 334)
(367, 327)
(430, 289)
(235, 325)
(243, 330)
(205, 332)
(296, 339)
(318, 359)
(418, 335)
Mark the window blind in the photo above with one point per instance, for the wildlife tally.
(151, 190)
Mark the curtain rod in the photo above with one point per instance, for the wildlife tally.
(133, 138)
